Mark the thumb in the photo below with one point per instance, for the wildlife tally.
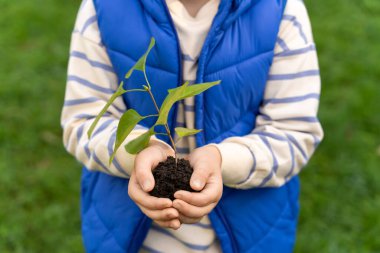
(199, 178)
(143, 171)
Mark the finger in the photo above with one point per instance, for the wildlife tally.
(143, 171)
(164, 148)
(191, 211)
(199, 177)
(144, 199)
(187, 220)
(161, 215)
(174, 224)
(210, 194)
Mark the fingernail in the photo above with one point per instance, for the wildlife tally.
(146, 185)
(172, 215)
(174, 225)
(197, 183)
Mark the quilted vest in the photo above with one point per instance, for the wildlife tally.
(239, 51)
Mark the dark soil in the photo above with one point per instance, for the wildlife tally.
(170, 178)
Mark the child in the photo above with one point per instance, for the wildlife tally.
(259, 125)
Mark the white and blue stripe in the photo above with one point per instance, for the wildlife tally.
(91, 81)
(287, 128)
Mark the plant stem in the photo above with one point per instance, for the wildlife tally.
(146, 79)
(153, 115)
(162, 134)
(166, 125)
(133, 90)
(158, 111)
(179, 139)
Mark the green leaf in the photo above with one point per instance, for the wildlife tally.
(195, 89)
(173, 96)
(183, 132)
(138, 144)
(140, 64)
(179, 93)
(127, 123)
(120, 91)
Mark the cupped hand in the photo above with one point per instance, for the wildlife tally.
(207, 180)
(160, 210)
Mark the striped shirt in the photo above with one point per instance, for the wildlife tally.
(287, 128)
(192, 32)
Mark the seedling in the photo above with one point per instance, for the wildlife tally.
(131, 118)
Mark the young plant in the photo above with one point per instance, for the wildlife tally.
(131, 118)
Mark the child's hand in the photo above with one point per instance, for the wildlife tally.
(207, 178)
(141, 182)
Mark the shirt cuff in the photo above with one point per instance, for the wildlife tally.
(241, 163)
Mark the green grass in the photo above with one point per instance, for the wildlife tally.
(39, 209)
(340, 201)
(39, 181)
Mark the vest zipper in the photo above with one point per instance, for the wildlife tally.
(202, 59)
(140, 229)
(220, 16)
(180, 78)
(219, 213)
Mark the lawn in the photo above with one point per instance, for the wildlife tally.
(39, 181)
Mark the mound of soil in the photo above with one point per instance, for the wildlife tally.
(170, 178)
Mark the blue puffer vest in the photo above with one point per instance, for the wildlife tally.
(238, 51)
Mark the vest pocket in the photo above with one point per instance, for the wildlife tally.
(262, 216)
(96, 236)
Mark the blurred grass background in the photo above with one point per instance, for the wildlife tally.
(39, 181)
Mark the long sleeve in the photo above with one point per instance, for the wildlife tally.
(287, 129)
(91, 81)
